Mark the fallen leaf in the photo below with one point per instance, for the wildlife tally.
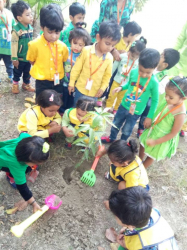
(12, 210)
(111, 234)
(24, 243)
(21, 205)
(114, 246)
(1, 222)
(101, 248)
(17, 223)
(12, 221)
(27, 105)
(29, 99)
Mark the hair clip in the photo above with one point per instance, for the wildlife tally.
(51, 98)
(133, 44)
(128, 144)
(45, 147)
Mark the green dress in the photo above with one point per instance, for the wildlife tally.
(165, 149)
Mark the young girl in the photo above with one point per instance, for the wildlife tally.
(126, 167)
(161, 139)
(73, 117)
(43, 118)
(123, 67)
(17, 156)
(78, 38)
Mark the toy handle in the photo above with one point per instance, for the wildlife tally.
(19, 229)
(94, 165)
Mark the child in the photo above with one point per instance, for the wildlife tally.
(78, 38)
(22, 33)
(141, 85)
(6, 23)
(161, 139)
(47, 53)
(123, 67)
(73, 117)
(76, 14)
(126, 167)
(143, 226)
(43, 118)
(93, 68)
(168, 59)
(130, 33)
(17, 156)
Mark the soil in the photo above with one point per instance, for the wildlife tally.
(81, 221)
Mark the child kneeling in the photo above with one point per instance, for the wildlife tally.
(143, 226)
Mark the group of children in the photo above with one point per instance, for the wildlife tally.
(71, 77)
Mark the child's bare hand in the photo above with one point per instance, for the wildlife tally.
(67, 132)
(32, 63)
(71, 89)
(116, 55)
(53, 124)
(36, 207)
(54, 129)
(100, 153)
(99, 93)
(120, 240)
(151, 142)
(147, 123)
(16, 64)
(116, 90)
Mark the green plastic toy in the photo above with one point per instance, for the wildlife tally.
(89, 177)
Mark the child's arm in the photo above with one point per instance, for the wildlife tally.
(65, 53)
(105, 80)
(65, 124)
(120, 238)
(154, 104)
(32, 126)
(115, 66)
(14, 49)
(57, 118)
(178, 123)
(31, 53)
(76, 70)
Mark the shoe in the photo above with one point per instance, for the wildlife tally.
(106, 139)
(182, 133)
(68, 145)
(99, 103)
(140, 131)
(15, 88)
(11, 180)
(114, 112)
(28, 87)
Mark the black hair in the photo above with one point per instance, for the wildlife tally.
(18, 8)
(51, 17)
(131, 205)
(48, 98)
(171, 57)
(80, 33)
(138, 45)
(76, 8)
(131, 28)
(121, 151)
(30, 150)
(86, 103)
(181, 82)
(149, 58)
(110, 29)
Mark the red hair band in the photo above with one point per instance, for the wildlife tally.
(128, 144)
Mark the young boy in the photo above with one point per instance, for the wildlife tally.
(46, 53)
(21, 35)
(6, 23)
(143, 226)
(141, 85)
(76, 14)
(168, 59)
(93, 68)
(130, 33)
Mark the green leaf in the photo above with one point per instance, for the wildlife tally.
(84, 128)
(81, 139)
(81, 144)
(91, 136)
(86, 152)
(93, 148)
(97, 122)
(109, 121)
(99, 110)
(107, 115)
(80, 150)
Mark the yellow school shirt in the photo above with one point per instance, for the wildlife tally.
(44, 66)
(134, 174)
(81, 71)
(122, 45)
(34, 122)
